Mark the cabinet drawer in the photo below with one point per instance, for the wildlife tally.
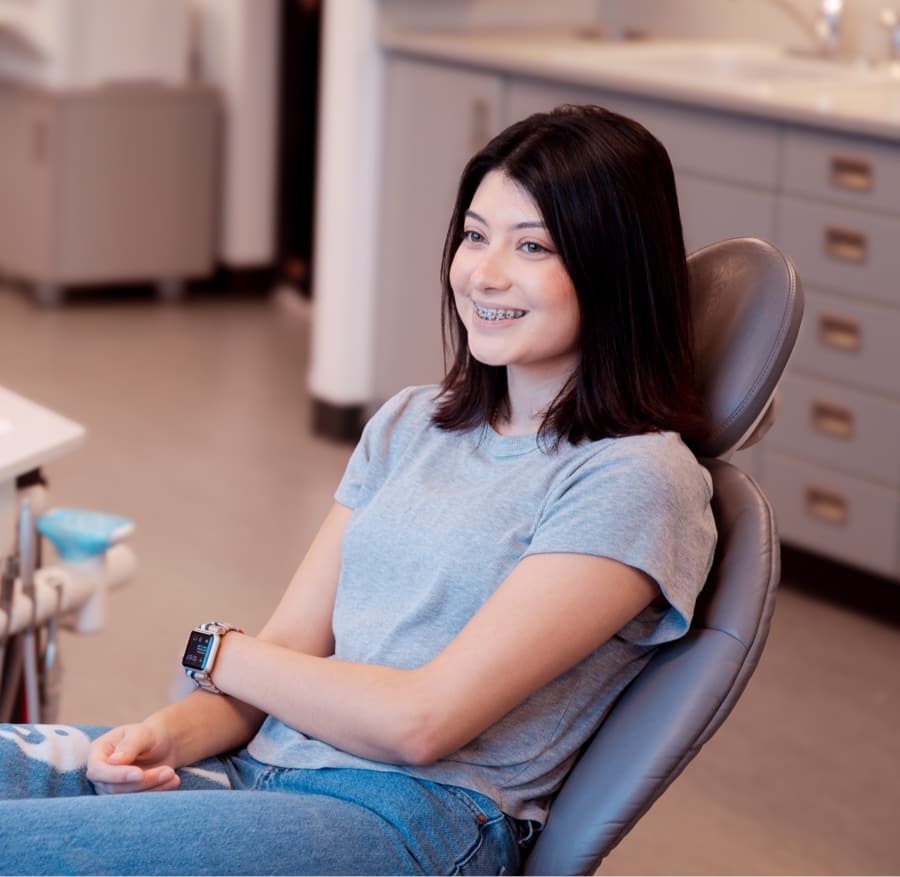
(712, 210)
(842, 249)
(852, 170)
(714, 145)
(851, 341)
(833, 514)
(850, 430)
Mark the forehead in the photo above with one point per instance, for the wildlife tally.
(499, 194)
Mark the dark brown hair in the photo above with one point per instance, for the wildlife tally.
(606, 192)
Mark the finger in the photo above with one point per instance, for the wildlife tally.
(156, 779)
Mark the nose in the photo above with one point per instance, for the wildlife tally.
(490, 271)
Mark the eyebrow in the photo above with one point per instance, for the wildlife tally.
(533, 224)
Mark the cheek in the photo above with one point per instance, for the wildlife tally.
(457, 274)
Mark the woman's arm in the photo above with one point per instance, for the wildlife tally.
(143, 756)
(527, 634)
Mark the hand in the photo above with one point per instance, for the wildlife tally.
(132, 758)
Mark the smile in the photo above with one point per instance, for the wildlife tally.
(497, 313)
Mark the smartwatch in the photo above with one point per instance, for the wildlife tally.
(201, 650)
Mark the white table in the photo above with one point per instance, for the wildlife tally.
(30, 436)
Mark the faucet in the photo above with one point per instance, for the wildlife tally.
(891, 21)
(826, 26)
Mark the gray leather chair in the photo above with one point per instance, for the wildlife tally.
(747, 309)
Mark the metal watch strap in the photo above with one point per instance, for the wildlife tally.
(203, 678)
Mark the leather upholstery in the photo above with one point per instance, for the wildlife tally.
(748, 306)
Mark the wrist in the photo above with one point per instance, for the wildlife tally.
(201, 655)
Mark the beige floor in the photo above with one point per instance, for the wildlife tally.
(199, 429)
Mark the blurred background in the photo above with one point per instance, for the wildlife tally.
(220, 240)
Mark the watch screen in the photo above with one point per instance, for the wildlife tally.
(197, 649)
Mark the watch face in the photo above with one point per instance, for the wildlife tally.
(197, 650)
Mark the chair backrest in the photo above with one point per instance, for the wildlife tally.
(747, 305)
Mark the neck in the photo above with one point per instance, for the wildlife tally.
(530, 395)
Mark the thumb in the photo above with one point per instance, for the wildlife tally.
(128, 747)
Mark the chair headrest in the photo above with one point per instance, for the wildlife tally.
(747, 303)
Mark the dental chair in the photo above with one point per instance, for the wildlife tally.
(747, 306)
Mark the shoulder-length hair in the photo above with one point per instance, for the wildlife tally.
(606, 192)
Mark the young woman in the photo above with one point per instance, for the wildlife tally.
(504, 553)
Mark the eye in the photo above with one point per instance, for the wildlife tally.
(534, 248)
(472, 236)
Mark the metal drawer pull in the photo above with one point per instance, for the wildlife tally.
(851, 173)
(840, 333)
(845, 244)
(832, 420)
(825, 505)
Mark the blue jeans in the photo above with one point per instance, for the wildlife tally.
(235, 815)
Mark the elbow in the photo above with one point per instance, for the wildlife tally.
(419, 749)
(421, 740)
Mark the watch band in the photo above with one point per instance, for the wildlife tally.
(203, 677)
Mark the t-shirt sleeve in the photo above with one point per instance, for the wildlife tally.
(642, 501)
(381, 440)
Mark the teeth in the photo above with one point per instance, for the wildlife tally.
(497, 314)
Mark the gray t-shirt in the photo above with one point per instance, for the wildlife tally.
(441, 518)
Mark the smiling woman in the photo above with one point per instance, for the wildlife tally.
(504, 555)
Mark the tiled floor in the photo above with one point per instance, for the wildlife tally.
(199, 429)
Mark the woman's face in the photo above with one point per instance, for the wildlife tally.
(511, 290)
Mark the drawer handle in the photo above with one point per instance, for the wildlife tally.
(832, 420)
(480, 124)
(845, 244)
(848, 172)
(840, 333)
(825, 505)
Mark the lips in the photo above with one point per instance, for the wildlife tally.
(498, 313)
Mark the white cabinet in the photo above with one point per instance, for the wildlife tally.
(435, 118)
(110, 185)
(832, 460)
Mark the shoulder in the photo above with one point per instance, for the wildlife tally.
(410, 402)
(659, 461)
(410, 409)
(405, 420)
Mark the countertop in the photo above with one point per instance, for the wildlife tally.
(751, 79)
(31, 435)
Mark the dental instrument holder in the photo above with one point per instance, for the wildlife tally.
(31, 673)
(81, 539)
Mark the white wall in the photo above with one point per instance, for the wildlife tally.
(345, 213)
(238, 47)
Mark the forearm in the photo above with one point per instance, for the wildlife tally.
(371, 711)
(202, 724)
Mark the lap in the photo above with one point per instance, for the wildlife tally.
(274, 820)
